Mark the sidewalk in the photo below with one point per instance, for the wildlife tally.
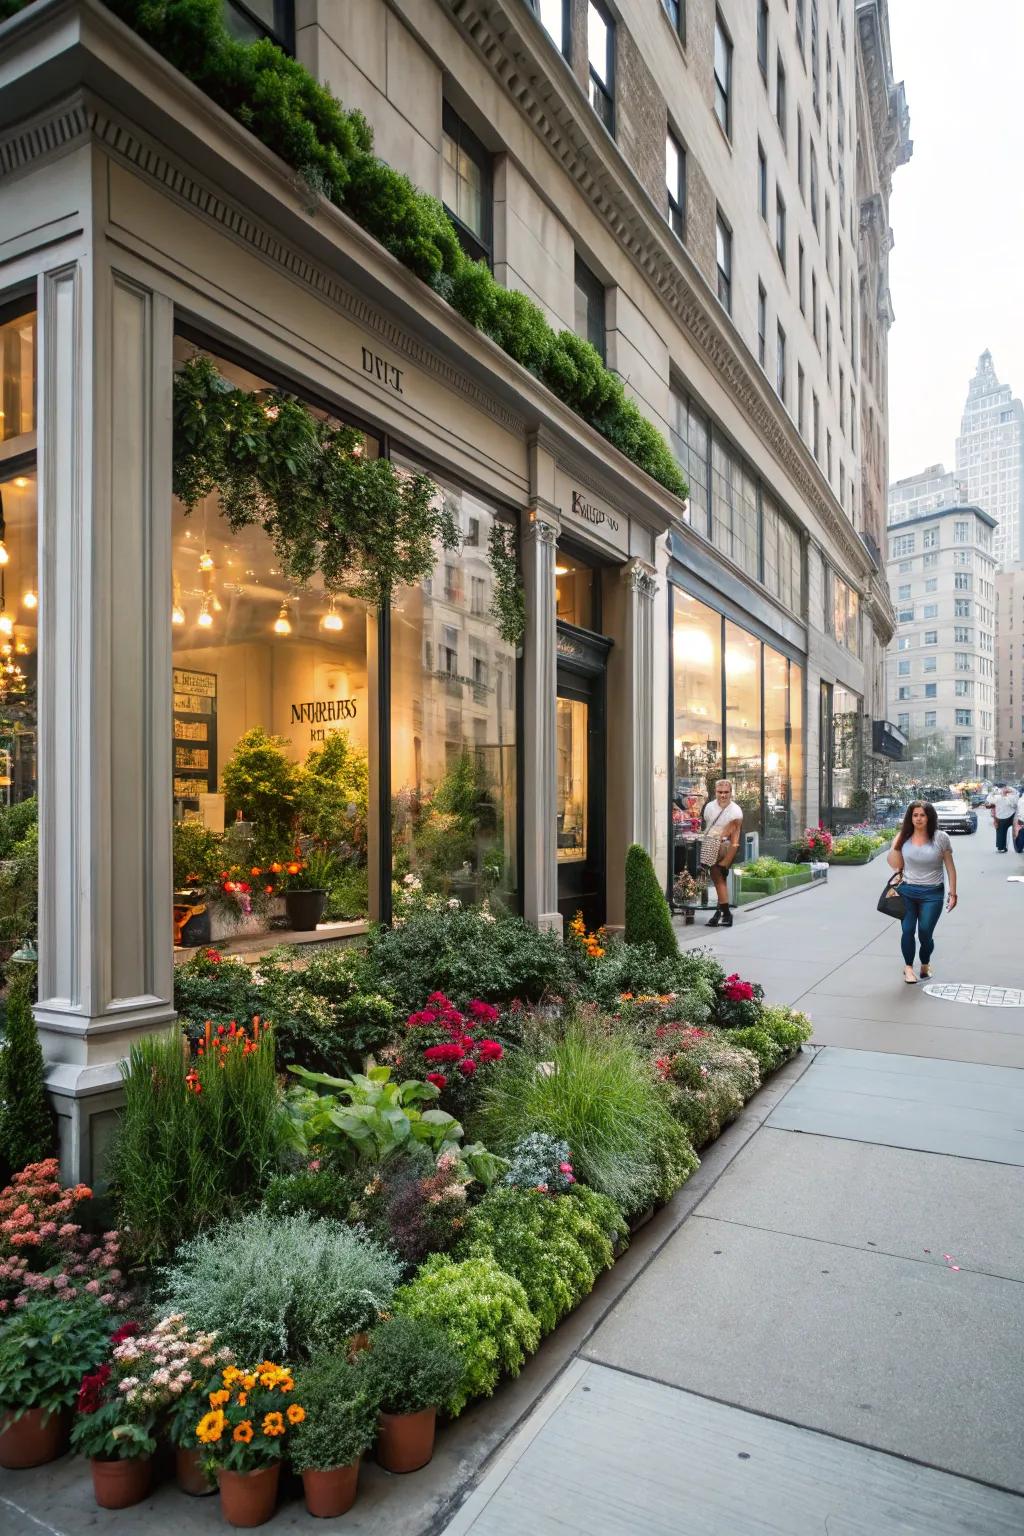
(832, 1341)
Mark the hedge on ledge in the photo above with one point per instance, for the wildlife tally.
(280, 102)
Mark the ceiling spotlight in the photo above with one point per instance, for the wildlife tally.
(21, 482)
(561, 570)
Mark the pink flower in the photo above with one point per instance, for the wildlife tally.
(467, 1066)
(541, 1189)
(438, 1079)
(565, 1167)
(93, 1287)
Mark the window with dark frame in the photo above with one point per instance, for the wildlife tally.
(780, 95)
(675, 10)
(250, 21)
(780, 362)
(553, 17)
(762, 323)
(762, 38)
(467, 189)
(801, 386)
(675, 183)
(780, 227)
(801, 276)
(601, 61)
(762, 181)
(723, 75)
(723, 261)
(589, 307)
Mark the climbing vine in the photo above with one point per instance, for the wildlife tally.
(508, 602)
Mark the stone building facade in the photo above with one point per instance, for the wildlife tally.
(1010, 670)
(990, 456)
(602, 163)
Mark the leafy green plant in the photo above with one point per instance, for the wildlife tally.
(485, 1314)
(313, 1191)
(321, 866)
(212, 986)
(27, 1127)
(508, 604)
(332, 790)
(787, 1026)
(550, 1243)
(341, 1415)
(769, 868)
(760, 1043)
(198, 855)
(598, 1094)
(19, 877)
(368, 1118)
(411, 1364)
(259, 780)
(46, 1347)
(648, 919)
(197, 1138)
(415, 1204)
(284, 1287)
(856, 845)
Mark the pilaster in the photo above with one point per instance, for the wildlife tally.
(540, 861)
(630, 594)
(105, 879)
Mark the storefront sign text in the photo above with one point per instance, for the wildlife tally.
(384, 372)
(592, 513)
(590, 516)
(321, 711)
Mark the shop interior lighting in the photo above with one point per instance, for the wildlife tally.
(30, 599)
(332, 619)
(205, 619)
(283, 624)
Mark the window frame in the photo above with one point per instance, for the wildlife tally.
(676, 217)
(593, 287)
(762, 324)
(476, 247)
(780, 226)
(781, 98)
(283, 33)
(780, 362)
(723, 89)
(564, 42)
(724, 229)
(762, 38)
(603, 90)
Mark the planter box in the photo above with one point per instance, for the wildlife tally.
(845, 858)
(763, 885)
(798, 877)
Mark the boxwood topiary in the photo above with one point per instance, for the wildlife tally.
(648, 919)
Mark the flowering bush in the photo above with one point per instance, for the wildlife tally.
(45, 1349)
(813, 846)
(551, 1244)
(448, 1046)
(485, 1313)
(116, 1411)
(738, 1003)
(157, 1370)
(787, 1026)
(419, 1209)
(541, 1162)
(43, 1250)
(250, 1413)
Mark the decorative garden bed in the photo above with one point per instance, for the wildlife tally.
(378, 1182)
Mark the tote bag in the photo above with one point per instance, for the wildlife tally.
(891, 902)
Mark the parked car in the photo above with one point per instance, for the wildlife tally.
(979, 797)
(955, 816)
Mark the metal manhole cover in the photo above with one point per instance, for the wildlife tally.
(980, 995)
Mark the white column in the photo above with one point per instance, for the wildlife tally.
(632, 721)
(540, 853)
(105, 944)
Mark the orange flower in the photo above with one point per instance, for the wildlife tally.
(242, 1433)
(275, 868)
(219, 1398)
(211, 1426)
(248, 1382)
(243, 1398)
(296, 1413)
(273, 1423)
(294, 868)
(230, 1375)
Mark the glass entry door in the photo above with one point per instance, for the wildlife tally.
(579, 805)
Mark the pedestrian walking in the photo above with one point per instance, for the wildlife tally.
(723, 823)
(1018, 825)
(920, 852)
(1003, 803)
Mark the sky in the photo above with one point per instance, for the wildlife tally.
(957, 213)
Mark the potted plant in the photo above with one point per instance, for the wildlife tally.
(114, 1426)
(412, 1367)
(308, 880)
(250, 1414)
(340, 1424)
(46, 1347)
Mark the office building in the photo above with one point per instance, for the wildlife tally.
(933, 488)
(990, 456)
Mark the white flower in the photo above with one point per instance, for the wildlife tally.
(454, 902)
(128, 1384)
(161, 1377)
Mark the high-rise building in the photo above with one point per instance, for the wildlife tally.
(990, 456)
(1010, 670)
(941, 667)
(933, 488)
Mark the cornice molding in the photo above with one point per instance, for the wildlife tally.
(545, 90)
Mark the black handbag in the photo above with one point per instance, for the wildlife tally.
(891, 901)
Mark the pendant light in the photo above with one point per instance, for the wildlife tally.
(332, 619)
(205, 619)
(206, 561)
(283, 624)
(30, 599)
(4, 556)
(177, 611)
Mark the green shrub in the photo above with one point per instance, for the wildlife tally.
(648, 919)
(599, 1095)
(856, 845)
(260, 781)
(411, 1364)
(19, 878)
(198, 855)
(46, 1347)
(760, 1043)
(341, 1420)
(281, 1288)
(767, 867)
(636, 968)
(309, 1191)
(549, 1243)
(460, 952)
(209, 986)
(483, 1311)
(27, 1127)
(788, 1026)
(191, 1150)
(695, 1111)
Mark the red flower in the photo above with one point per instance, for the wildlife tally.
(126, 1331)
(444, 1053)
(438, 997)
(213, 956)
(467, 1066)
(90, 1393)
(438, 1079)
(490, 1050)
(485, 1012)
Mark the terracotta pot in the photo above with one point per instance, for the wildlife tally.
(40, 1435)
(188, 1468)
(405, 1441)
(332, 1492)
(356, 1344)
(248, 1498)
(119, 1483)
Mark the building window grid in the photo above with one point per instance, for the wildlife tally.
(675, 184)
(601, 62)
(723, 76)
(723, 257)
(762, 324)
(780, 95)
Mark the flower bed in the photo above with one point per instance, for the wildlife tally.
(859, 847)
(446, 1194)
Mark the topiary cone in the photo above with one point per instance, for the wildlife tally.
(648, 919)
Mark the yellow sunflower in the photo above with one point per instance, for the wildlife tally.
(211, 1426)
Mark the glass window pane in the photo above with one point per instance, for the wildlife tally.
(19, 621)
(796, 747)
(270, 686)
(450, 173)
(743, 722)
(697, 726)
(453, 724)
(574, 591)
(571, 733)
(17, 379)
(672, 165)
(722, 496)
(776, 764)
(847, 749)
(552, 19)
(598, 37)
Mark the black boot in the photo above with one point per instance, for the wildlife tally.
(713, 922)
(726, 917)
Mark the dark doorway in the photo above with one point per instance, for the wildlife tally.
(580, 748)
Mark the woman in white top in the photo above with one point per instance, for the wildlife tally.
(724, 819)
(920, 851)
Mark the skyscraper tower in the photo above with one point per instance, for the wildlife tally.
(990, 456)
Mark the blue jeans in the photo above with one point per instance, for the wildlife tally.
(924, 908)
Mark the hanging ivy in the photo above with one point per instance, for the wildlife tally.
(508, 603)
(365, 526)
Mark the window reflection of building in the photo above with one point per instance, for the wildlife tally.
(19, 593)
(697, 734)
(453, 723)
(571, 779)
(252, 649)
(847, 750)
(777, 766)
(743, 722)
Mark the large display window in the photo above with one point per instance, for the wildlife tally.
(453, 723)
(270, 726)
(743, 722)
(697, 726)
(19, 643)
